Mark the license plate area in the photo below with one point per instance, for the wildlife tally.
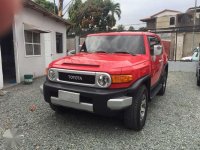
(69, 96)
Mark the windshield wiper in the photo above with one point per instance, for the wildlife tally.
(125, 53)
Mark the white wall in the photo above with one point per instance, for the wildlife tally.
(35, 64)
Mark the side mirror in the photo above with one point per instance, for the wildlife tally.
(158, 49)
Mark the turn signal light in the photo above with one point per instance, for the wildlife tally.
(121, 78)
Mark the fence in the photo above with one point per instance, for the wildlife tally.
(183, 40)
(178, 41)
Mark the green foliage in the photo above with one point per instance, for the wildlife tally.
(48, 5)
(143, 29)
(120, 28)
(94, 15)
(131, 28)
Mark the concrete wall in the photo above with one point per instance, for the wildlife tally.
(182, 66)
(180, 42)
(35, 64)
(71, 43)
(188, 43)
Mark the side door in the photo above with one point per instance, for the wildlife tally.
(156, 60)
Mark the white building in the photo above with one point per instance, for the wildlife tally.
(37, 38)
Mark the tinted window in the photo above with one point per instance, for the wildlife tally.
(113, 44)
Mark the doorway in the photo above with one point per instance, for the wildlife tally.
(8, 59)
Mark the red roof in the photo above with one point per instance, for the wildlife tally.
(121, 34)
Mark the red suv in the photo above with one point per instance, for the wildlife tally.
(117, 72)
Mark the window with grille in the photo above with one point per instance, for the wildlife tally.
(172, 21)
(32, 43)
(59, 42)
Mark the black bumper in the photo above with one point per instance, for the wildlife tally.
(97, 97)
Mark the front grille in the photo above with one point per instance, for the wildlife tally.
(76, 78)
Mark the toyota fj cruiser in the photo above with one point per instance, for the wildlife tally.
(113, 73)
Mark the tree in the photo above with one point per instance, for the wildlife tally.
(143, 29)
(93, 15)
(48, 5)
(131, 28)
(120, 28)
(115, 10)
(74, 13)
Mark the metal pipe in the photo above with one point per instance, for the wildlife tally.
(194, 25)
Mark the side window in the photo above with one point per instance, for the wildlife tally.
(32, 43)
(59, 42)
(172, 21)
(152, 42)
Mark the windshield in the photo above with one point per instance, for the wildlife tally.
(114, 44)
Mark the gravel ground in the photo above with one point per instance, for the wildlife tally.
(172, 122)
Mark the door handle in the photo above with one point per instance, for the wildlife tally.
(161, 60)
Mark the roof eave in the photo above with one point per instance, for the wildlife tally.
(34, 6)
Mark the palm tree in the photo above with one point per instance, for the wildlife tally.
(114, 10)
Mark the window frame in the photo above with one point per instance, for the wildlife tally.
(172, 21)
(153, 37)
(32, 43)
(57, 51)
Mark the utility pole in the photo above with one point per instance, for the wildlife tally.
(60, 8)
(194, 25)
(54, 6)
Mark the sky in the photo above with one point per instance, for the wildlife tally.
(134, 10)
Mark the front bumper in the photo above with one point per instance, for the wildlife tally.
(100, 101)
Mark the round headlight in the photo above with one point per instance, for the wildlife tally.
(52, 75)
(104, 80)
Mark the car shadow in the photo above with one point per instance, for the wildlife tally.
(85, 121)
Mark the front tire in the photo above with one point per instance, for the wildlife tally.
(198, 81)
(135, 115)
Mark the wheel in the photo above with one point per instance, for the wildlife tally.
(135, 115)
(164, 84)
(58, 109)
(198, 81)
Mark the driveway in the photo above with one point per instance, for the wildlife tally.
(173, 121)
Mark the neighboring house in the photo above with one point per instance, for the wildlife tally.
(37, 38)
(187, 18)
(163, 19)
(167, 22)
(185, 21)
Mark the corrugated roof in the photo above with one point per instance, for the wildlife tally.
(32, 5)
